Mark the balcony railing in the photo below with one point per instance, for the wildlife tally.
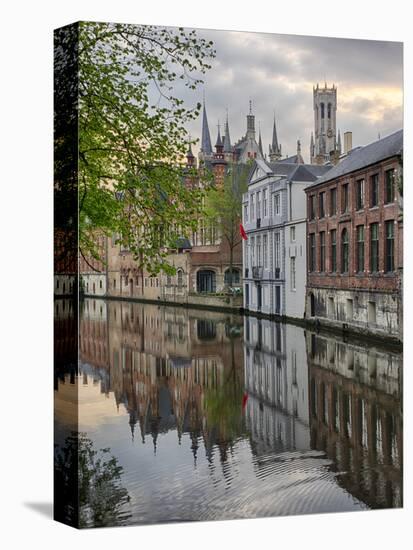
(257, 272)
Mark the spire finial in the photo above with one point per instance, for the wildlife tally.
(250, 107)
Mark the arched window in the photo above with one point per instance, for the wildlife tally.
(206, 281)
(344, 251)
(322, 109)
(180, 277)
(235, 277)
(329, 110)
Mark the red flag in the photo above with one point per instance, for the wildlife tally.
(242, 231)
(244, 400)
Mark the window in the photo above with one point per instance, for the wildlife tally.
(114, 283)
(292, 233)
(374, 247)
(321, 205)
(245, 212)
(252, 207)
(389, 186)
(344, 198)
(360, 248)
(329, 110)
(252, 251)
(277, 209)
(322, 251)
(359, 194)
(206, 281)
(333, 241)
(311, 206)
(258, 204)
(180, 274)
(265, 250)
(312, 252)
(259, 251)
(322, 110)
(100, 284)
(344, 251)
(390, 246)
(277, 250)
(374, 190)
(292, 272)
(333, 201)
(264, 204)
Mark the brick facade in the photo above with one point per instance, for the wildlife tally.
(367, 206)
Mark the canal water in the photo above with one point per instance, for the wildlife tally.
(189, 415)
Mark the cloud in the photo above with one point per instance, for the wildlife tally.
(277, 72)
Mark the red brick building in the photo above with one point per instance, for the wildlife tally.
(355, 241)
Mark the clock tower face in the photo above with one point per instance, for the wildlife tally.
(330, 133)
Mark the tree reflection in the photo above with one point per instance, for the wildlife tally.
(101, 500)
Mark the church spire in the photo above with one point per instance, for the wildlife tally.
(339, 142)
(275, 149)
(206, 147)
(219, 143)
(251, 123)
(227, 138)
(260, 144)
(300, 159)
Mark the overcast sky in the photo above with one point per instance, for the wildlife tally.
(277, 72)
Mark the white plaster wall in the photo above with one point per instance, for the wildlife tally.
(96, 279)
(63, 285)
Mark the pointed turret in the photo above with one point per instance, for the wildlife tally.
(339, 142)
(190, 159)
(275, 149)
(219, 145)
(300, 159)
(260, 144)
(227, 138)
(206, 147)
(251, 123)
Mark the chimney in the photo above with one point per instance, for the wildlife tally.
(348, 142)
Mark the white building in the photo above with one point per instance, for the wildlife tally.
(274, 218)
(276, 378)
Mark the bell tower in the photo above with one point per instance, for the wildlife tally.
(325, 132)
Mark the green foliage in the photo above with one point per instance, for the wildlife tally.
(102, 500)
(132, 136)
(224, 205)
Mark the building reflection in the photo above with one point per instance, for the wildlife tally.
(356, 416)
(218, 378)
(277, 383)
(168, 367)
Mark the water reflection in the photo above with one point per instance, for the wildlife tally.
(215, 416)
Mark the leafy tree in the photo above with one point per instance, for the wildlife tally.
(89, 485)
(224, 208)
(132, 136)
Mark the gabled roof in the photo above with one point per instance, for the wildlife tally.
(290, 171)
(362, 157)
